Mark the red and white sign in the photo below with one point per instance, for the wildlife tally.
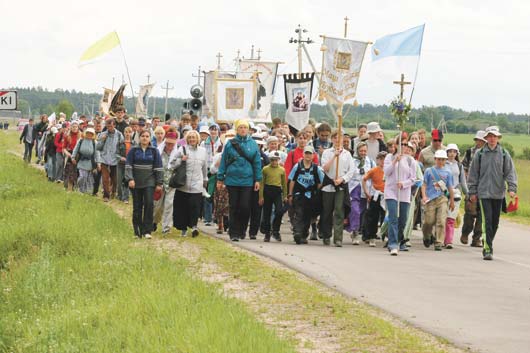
(8, 100)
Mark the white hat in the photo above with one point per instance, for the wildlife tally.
(91, 130)
(494, 130)
(54, 130)
(262, 126)
(90, 123)
(373, 127)
(272, 139)
(258, 138)
(440, 154)
(204, 129)
(480, 135)
(309, 149)
(274, 155)
(452, 146)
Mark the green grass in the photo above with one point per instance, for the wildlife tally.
(72, 279)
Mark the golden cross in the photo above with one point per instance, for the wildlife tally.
(402, 83)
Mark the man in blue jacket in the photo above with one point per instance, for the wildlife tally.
(240, 173)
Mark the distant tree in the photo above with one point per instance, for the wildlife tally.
(65, 107)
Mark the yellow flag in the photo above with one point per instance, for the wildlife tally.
(102, 46)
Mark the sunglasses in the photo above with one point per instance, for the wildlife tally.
(436, 140)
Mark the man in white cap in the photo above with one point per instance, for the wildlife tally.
(374, 144)
(492, 168)
(472, 215)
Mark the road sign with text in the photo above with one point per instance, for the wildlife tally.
(8, 100)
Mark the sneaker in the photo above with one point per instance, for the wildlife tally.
(372, 243)
(219, 231)
(313, 235)
(488, 256)
(408, 244)
(438, 248)
(147, 236)
(277, 236)
(448, 246)
(105, 199)
(326, 241)
(394, 252)
(184, 233)
(234, 239)
(252, 237)
(354, 235)
(126, 202)
(464, 239)
(476, 243)
(208, 224)
(355, 239)
(338, 244)
(267, 238)
(194, 232)
(403, 247)
(427, 242)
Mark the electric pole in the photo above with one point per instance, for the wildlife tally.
(167, 88)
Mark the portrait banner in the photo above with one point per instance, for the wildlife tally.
(343, 59)
(234, 99)
(106, 99)
(265, 75)
(208, 107)
(143, 97)
(298, 92)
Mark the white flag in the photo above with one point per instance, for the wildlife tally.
(106, 99)
(265, 75)
(143, 97)
(209, 89)
(343, 59)
(235, 99)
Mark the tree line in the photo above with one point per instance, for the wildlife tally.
(38, 100)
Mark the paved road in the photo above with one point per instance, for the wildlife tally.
(480, 304)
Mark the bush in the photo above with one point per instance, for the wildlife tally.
(525, 154)
(508, 147)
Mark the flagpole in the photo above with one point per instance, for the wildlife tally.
(417, 66)
(126, 67)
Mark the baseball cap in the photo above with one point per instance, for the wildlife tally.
(309, 149)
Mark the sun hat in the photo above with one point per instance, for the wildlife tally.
(452, 146)
(274, 155)
(309, 149)
(272, 139)
(186, 128)
(493, 130)
(90, 130)
(373, 128)
(204, 130)
(258, 138)
(480, 135)
(440, 154)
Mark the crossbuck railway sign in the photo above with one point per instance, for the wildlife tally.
(8, 100)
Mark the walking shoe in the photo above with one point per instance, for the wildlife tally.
(304, 241)
(219, 231)
(394, 252)
(448, 246)
(314, 235)
(476, 243)
(355, 240)
(147, 236)
(372, 243)
(338, 244)
(277, 236)
(208, 224)
(403, 247)
(326, 241)
(267, 237)
(252, 237)
(126, 202)
(184, 233)
(234, 239)
(194, 232)
(354, 235)
(437, 248)
(464, 239)
(408, 244)
(488, 256)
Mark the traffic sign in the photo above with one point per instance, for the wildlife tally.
(8, 100)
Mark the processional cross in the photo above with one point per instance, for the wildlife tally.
(219, 56)
(402, 83)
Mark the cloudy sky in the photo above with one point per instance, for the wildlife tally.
(475, 53)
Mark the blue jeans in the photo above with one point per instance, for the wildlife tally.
(395, 225)
(207, 210)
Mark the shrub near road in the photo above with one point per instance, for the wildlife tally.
(71, 280)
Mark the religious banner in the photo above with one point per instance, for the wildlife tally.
(298, 92)
(117, 99)
(265, 75)
(235, 99)
(208, 107)
(104, 104)
(341, 67)
(143, 97)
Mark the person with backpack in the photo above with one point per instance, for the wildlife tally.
(437, 190)
(108, 158)
(305, 180)
(375, 197)
(459, 188)
(492, 168)
(84, 157)
(240, 172)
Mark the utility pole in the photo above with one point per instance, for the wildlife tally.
(198, 76)
(252, 52)
(301, 46)
(167, 88)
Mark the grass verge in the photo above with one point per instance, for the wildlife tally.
(70, 281)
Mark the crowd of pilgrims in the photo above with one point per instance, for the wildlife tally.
(246, 179)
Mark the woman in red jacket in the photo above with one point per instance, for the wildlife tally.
(59, 158)
(70, 170)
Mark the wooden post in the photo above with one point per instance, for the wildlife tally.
(339, 139)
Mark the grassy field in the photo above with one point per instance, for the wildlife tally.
(73, 281)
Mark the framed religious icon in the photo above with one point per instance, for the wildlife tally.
(235, 98)
(342, 61)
